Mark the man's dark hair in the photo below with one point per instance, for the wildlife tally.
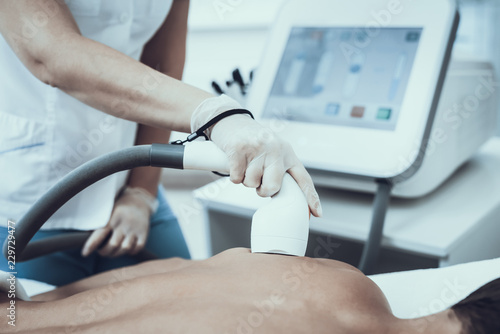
(479, 313)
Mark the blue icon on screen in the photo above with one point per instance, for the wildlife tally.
(332, 109)
(355, 68)
(413, 36)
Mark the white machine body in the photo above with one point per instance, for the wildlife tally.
(359, 105)
(465, 119)
(351, 99)
(282, 225)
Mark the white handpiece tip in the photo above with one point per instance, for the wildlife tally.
(282, 226)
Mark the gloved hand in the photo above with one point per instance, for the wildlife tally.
(258, 158)
(128, 226)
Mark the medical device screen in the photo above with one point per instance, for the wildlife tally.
(344, 76)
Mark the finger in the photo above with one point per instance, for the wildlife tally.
(140, 244)
(254, 172)
(95, 240)
(112, 245)
(237, 167)
(127, 245)
(271, 180)
(303, 179)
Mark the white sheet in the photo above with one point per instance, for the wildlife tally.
(417, 293)
(35, 287)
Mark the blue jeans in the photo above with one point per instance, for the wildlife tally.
(165, 240)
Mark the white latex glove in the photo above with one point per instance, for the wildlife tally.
(258, 158)
(128, 225)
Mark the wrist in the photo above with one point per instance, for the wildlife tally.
(238, 121)
(143, 195)
(211, 108)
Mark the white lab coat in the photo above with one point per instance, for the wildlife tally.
(45, 133)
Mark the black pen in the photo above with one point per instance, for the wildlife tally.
(217, 88)
(238, 79)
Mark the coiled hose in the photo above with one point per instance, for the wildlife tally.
(156, 155)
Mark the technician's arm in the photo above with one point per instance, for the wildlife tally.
(129, 222)
(110, 81)
(94, 73)
(165, 52)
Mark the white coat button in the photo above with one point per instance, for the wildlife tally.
(124, 17)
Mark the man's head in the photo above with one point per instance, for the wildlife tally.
(479, 313)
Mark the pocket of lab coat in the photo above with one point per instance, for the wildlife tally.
(24, 158)
(84, 7)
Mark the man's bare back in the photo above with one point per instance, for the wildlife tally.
(232, 292)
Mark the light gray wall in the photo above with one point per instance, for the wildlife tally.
(496, 52)
(479, 34)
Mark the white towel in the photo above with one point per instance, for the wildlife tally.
(9, 284)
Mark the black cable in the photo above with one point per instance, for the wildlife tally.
(372, 247)
(201, 131)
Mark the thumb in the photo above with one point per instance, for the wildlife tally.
(95, 240)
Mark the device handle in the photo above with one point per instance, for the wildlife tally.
(205, 155)
(196, 155)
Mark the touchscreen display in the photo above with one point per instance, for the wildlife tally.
(344, 76)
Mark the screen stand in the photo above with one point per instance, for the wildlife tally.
(371, 249)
